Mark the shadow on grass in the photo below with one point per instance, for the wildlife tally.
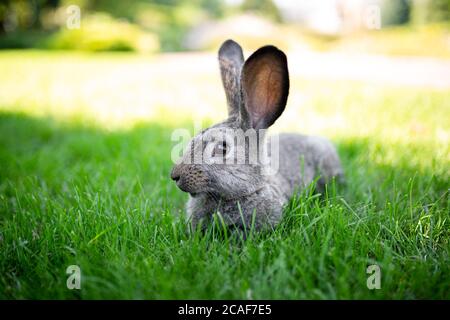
(56, 153)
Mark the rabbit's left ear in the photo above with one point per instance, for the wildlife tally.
(231, 60)
(265, 86)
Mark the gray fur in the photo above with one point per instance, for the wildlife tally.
(242, 193)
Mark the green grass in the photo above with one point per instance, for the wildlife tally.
(73, 191)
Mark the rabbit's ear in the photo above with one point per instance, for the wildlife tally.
(231, 60)
(265, 86)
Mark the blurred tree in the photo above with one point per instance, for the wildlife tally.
(426, 11)
(215, 8)
(264, 7)
(23, 14)
(170, 19)
(394, 12)
(4, 5)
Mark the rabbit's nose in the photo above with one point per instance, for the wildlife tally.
(175, 176)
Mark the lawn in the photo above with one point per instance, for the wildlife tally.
(85, 145)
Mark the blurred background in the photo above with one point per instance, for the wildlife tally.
(116, 63)
(180, 25)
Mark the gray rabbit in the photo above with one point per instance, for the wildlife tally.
(245, 193)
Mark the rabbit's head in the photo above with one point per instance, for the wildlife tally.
(227, 159)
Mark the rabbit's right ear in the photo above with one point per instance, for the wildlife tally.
(265, 86)
(231, 60)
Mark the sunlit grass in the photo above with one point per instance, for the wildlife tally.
(85, 161)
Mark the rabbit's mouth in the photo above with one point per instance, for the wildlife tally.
(188, 179)
(186, 188)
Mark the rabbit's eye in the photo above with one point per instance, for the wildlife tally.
(220, 149)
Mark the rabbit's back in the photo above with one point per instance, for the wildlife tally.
(302, 158)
